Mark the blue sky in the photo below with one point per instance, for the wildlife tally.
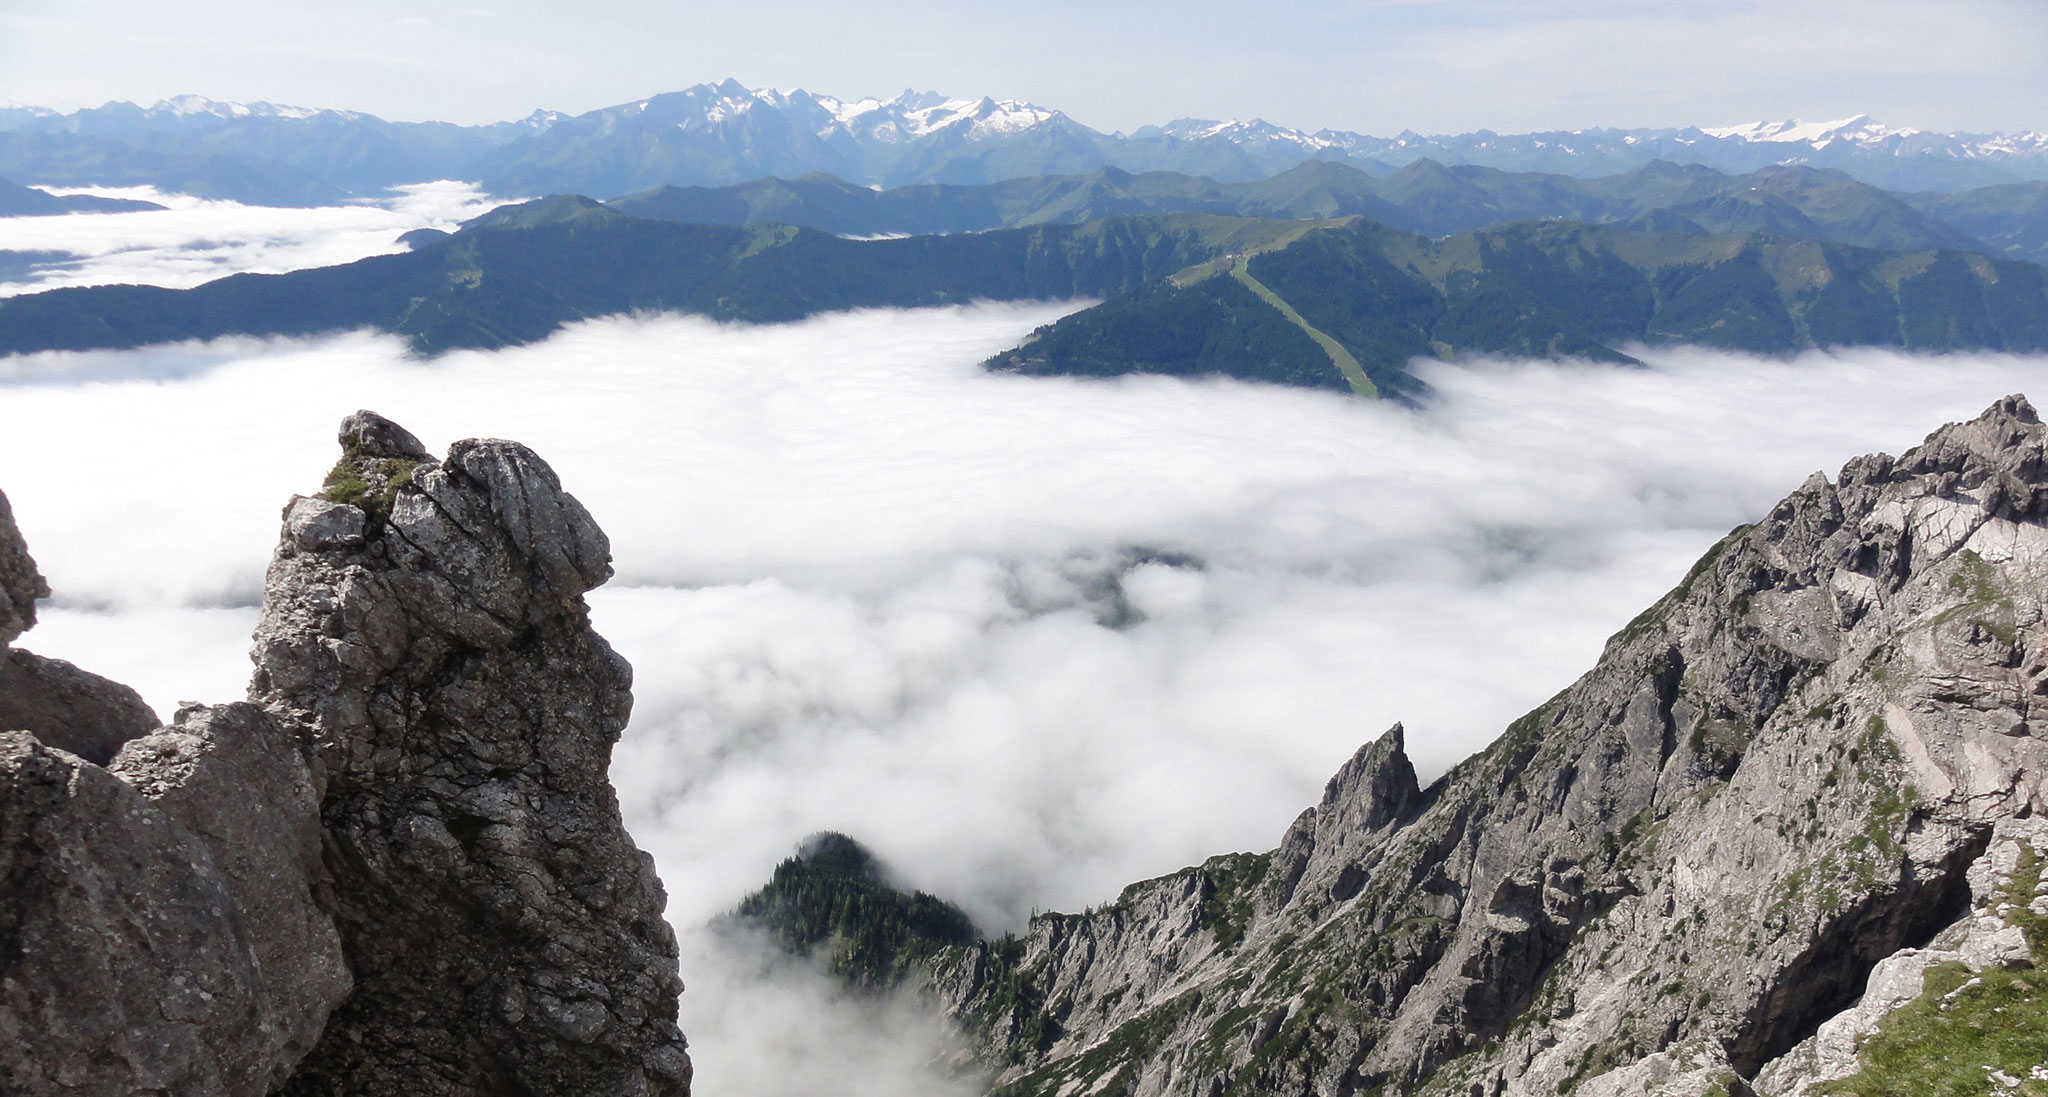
(1376, 66)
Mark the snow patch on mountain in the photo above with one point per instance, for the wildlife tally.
(188, 106)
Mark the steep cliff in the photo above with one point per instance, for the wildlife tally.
(400, 871)
(1810, 769)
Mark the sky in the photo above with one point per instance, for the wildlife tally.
(1371, 66)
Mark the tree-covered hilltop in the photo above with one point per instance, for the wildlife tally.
(834, 898)
(19, 201)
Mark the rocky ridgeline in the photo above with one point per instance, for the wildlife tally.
(398, 869)
(1796, 802)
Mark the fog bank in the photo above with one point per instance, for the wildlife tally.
(1031, 639)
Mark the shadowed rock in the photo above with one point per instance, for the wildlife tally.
(69, 708)
(20, 583)
(371, 435)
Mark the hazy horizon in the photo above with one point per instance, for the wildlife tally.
(1372, 66)
(970, 95)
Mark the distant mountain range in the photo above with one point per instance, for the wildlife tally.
(720, 134)
(1425, 197)
(1343, 303)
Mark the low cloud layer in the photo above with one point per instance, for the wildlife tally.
(198, 240)
(1032, 639)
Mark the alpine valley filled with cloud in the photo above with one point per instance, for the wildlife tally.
(1213, 609)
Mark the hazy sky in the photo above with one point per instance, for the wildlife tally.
(1376, 66)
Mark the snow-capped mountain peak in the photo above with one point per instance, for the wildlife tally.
(1857, 130)
(1257, 133)
(984, 117)
(187, 106)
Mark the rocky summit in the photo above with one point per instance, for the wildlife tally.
(398, 868)
(1784, 839)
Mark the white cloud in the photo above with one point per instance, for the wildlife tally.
(867, 587)
(198, 240)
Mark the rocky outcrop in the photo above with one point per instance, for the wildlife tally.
(1799, 768)
(403, 872)
(433, 645)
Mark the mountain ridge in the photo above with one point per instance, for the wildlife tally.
(723, 133)
(1423, 197)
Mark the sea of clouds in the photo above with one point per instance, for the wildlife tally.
(195, 240)
(1030, 639)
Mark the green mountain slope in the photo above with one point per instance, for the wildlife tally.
(1560, 288)
(2012, 218)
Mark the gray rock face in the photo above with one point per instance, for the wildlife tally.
(247, 790)
(505, 935)
(160, 934)
(20, 583)
(1667, 879)
(371, 435)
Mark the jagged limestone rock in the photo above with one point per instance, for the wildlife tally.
(505, 934)
(160, 934)
(369, 434)
(187, 907)
(1660, 881)
(1989, 937)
